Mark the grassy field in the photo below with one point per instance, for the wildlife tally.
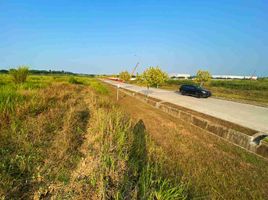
(62, 137)
(247, 91)
(66, 137)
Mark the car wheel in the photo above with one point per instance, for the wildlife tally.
(182, 93)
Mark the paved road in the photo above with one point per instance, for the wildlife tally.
(254, 117)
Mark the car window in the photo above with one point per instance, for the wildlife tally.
(192, 87)
(188, 87)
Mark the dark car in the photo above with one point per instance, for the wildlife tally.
(194, 90)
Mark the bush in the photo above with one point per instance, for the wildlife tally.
(73, 80)
(125, 76)
(19, 75)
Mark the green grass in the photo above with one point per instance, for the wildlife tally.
(9, 98)
(74, 80)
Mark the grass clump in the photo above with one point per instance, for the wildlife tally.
(19, 75)
(73, 80)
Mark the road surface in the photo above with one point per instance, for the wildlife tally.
(250, 116)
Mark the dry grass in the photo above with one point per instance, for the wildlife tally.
(38, 144)
(70, 141)
(73, 141)
(119, 162)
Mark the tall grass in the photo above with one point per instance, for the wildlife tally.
(39, 142)
(128, 168)
(19, 75)
(9, 98)
(41, 139)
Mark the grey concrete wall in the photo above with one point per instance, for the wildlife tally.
(234, 136)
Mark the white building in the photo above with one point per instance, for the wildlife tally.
(234, 77)
(179, 76)
(188, 76)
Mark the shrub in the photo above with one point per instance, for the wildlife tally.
(19, 75)
(125, 76)
(73, 80)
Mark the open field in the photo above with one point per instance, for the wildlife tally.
(246, 91)
(63, 138)
(66, 137)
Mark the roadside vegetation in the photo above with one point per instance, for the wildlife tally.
(125, 76)
(62, 137)
(153, 77)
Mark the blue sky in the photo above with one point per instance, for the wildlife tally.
(224, 37)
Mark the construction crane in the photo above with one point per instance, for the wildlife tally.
(133, 71)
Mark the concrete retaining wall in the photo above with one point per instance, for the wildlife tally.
(242, 139)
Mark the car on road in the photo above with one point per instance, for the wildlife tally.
(194, 90)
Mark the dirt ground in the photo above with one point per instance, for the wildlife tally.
(213, 168)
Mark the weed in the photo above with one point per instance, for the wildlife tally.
(19, 75)
(73, 80)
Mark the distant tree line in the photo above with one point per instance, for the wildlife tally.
(48, 72)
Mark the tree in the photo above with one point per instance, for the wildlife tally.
(154, 76)
(202, 77)
(125, 76)
(139, 78)
(19, 75)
